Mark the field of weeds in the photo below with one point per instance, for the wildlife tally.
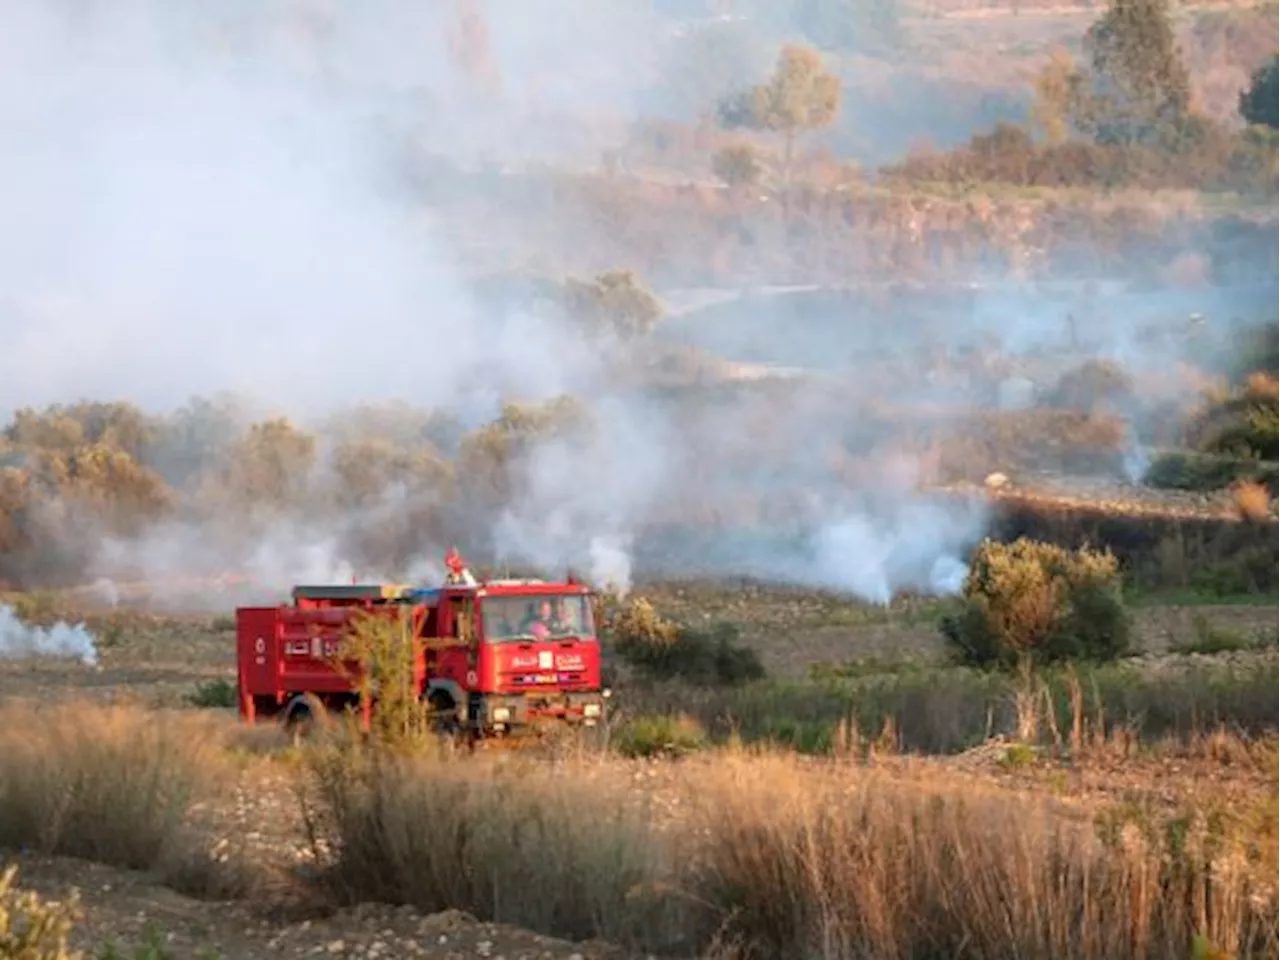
(864, 797)
(731, 853)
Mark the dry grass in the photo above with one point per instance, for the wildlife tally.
(830, 867)
(31, 927)
(766, 856)
(117, 785)
(1252, 501)
(522, 844)
(750, 854)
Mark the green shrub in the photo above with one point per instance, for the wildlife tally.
(666, 650)
(1188, 470)
(215, 694)
(1242, 423)
(1029, 602)
(651, 736)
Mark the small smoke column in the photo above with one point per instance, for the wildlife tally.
(17, 639)
(611, 564)
(1136, 458)
(104, 590)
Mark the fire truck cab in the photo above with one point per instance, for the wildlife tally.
(489, 656)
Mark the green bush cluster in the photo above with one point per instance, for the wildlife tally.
(1245, 422)
(654, 735)
(1033, 603)
(665, 650)
(1205, 472)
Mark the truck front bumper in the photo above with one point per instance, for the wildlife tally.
(499, 710)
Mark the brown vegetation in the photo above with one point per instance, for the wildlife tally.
(778, 860)
(116, 785)
(753, 855)
(1111, 845)
(32, 928)
(1252, 500)
(1160, 547)
(693, 234)
(393, 481)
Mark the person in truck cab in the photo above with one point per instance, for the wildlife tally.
(564, 624)
(543, 622)
(534, 623)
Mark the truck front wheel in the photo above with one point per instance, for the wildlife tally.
(444, 715)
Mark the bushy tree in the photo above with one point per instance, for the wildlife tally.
(364, 469)
(489, 458)
(616, 300)
(1057, 90)
(271, 465)
(800, 96)
(1093, 385)
(1029, 603)
(1258, 103)
(1240, 422)
(1137, 88)
(737, 165)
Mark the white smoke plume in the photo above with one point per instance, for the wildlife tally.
(919, 547)
(19, 640)
(212, 197)
(611, 563)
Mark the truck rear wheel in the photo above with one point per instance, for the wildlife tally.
(301, 717)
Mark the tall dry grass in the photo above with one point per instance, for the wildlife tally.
(556, 850)
(114, 784)
(765, 856)
(877, 868)
(737, 853)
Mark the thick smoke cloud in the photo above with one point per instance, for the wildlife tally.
(207, 198)
(186, 216)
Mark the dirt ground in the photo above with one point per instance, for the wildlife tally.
(126, 909)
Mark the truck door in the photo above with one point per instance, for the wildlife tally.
(458, 662)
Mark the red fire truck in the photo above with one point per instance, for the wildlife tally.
(490, 657)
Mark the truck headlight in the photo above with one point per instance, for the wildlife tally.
(591, 710)
(501, 714)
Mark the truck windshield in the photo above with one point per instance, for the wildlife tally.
(545, 617)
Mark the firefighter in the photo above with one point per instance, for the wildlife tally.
(542, 622)
(562, 620)
(458, 572)
(532, 624)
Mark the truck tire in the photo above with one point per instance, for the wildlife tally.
(301, 717)
(444, 715)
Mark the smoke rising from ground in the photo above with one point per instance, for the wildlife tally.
(18, 640)
(206, 198)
